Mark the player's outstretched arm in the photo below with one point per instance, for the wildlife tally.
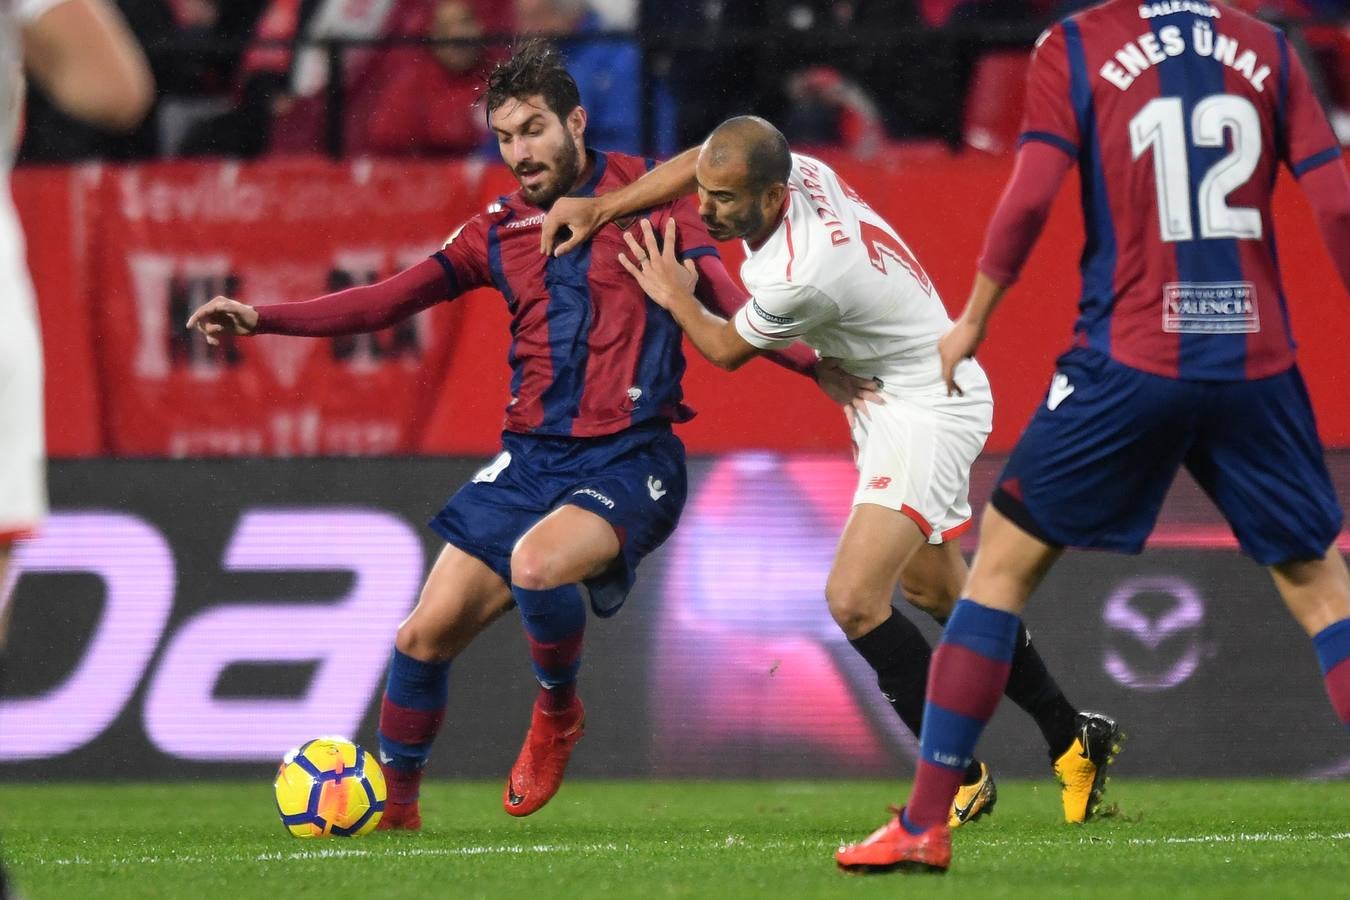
(572, 220)
(670, 284)
(87, 60)
(353, 311)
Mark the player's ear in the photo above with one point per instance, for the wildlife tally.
(773, 197)
(576, 124)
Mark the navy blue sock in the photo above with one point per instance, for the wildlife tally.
(555, 624)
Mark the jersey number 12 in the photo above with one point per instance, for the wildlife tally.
(1160, 125)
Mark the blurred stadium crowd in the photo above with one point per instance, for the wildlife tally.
(248, 78)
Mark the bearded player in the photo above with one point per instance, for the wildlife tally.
(590, 478)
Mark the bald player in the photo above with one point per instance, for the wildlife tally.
(825, 269)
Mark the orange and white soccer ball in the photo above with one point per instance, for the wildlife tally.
(330, 787)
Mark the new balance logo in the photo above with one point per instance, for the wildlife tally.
(1060, 389)
(880, 483)
(655, 488)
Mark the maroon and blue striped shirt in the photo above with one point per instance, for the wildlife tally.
(590, 353)
(1178, 114)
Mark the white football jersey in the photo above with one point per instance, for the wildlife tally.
(837, 277)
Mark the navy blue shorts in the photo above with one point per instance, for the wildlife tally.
(1096, 460)
(635, 480)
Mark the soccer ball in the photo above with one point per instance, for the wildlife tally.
(330, 787)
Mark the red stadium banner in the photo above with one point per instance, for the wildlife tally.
(173, 236)
(120, 258)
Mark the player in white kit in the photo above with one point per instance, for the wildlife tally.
(82, 54)
(822, 267)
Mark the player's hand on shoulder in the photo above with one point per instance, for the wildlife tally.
(850, 391)
(222, 315)
(570, 222)
(960, 342)
(657, 270)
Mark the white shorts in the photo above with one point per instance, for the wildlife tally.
(23, 467)
(914, 453)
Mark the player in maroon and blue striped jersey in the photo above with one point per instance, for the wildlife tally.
(1178, 114)
(590, 478)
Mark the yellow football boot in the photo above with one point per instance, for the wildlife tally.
(973, 800)
(1081, 769)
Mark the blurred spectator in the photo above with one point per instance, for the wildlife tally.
(426, 104)
(709, 79)
(608, 72)
(246, 130)
(880, 45)
(281, 99)
(829, 110)
(52, 136)
(620, 15)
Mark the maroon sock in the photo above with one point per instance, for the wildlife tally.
(555, 665)
(405, 740)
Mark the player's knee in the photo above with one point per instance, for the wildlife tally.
(534, 569)
(935, 599)
(417, 639)
(854, 608)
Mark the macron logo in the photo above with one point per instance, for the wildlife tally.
(525, 223)
(655, 488)
(592, 492)
(1060, 389)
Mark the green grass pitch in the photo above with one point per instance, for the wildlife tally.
(652, 840)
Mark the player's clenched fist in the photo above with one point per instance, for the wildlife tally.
(222, 314)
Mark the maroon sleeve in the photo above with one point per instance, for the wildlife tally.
(1049, 116)
(716, 289)
(1022, 210)
(718, 292)
(367, 308)
(1308, 141)
(467, 253)
(1328, 191)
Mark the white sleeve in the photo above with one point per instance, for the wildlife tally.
(777, 316)
(31, 10)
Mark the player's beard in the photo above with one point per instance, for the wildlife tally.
(566, 167)
(736, 227)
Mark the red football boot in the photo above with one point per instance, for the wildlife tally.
(892, 847)
(538, 772)
(400, 817)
